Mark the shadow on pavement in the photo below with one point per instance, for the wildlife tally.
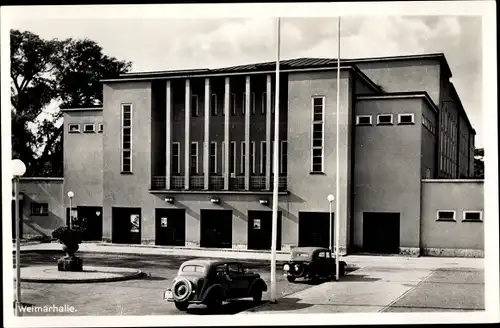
(359, 277)
(284, 304)
(232, 307)
(148, 276)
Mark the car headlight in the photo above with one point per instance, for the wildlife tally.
(286, 267)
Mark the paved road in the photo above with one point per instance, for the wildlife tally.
(133, 297)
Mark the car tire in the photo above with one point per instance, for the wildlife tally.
(257, 296)
(290, 278)
(181, 306)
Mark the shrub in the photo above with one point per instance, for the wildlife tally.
(67, 235)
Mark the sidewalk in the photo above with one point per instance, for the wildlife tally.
(358, 261)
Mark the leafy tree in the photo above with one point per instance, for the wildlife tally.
(44, 71)
(479, 163)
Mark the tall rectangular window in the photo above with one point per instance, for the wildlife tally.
(252, 157)
(264, 102)
(223, 156)
(126, 138)
(232, 158)
(176, 158)
(232, 104)
(317, 142)
(263, 157)
(252, 102)
(194, 157)
(213, 104)
(213, 157)
(242, 164)
(194, 106)
(284, 157)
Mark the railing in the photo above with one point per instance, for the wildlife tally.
(197, 182)
(237, 183)
(216, 182)
(177, 182)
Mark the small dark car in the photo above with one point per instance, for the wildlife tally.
(211, 282)
(311, 263)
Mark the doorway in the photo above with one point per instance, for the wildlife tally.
(126, 225)
(381, 232)
(90, 219)
(260, 225)
(216, 228)
(313, 229)
(170, 226)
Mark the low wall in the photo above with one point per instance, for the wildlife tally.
(42, 190)
(452, 237)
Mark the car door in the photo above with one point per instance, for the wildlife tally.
(239, 282)
(222, 278)
(330, 263)
(322, 264)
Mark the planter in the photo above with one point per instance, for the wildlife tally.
(70, 239)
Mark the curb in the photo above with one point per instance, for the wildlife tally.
(135, 275)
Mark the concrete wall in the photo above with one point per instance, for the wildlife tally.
(407, 75)
(455, 238)
(128, 190)
(387, 168)
(83, 158)
(42, 190)
(308, 192)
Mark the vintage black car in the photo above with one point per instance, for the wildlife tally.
(312, 263)
(211, 282)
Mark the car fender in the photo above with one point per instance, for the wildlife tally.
(258, 283)
(214, 292)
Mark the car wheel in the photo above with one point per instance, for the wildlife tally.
(181, 306)
(257, 296)
(290, 278)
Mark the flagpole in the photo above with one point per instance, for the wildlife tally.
(275, 167)
(337, 174)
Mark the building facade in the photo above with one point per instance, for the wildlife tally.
(184, 158)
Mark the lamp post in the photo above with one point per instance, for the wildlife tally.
(337, 168)
(330, 199)
(18, 170)
(70, 195)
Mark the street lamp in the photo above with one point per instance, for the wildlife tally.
(18, 170)
(70, 195)
(330, 199)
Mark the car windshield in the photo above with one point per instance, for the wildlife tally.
(193, 268)
(300, 254)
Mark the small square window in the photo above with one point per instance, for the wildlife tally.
(89, 128)
(406, 119)
(364, 120)
(101, 127)
(39, 209)
(74, 128)
(384, 119)
(475, 216)
(443, 215)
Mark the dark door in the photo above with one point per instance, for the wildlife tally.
(216, 228)
(260, 225)
(313, 229)
(126, 225)
(90, 219)
(381, 232)
(20, 222)
(170, 226)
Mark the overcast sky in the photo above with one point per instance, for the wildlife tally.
(161, 44)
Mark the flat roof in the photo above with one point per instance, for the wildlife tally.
(294, 64)
(82, 109)
(401, 95)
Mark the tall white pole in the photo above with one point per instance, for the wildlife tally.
(17, 222)
(70, 214)
(330, 243)
(337, 177)
(276, 167)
